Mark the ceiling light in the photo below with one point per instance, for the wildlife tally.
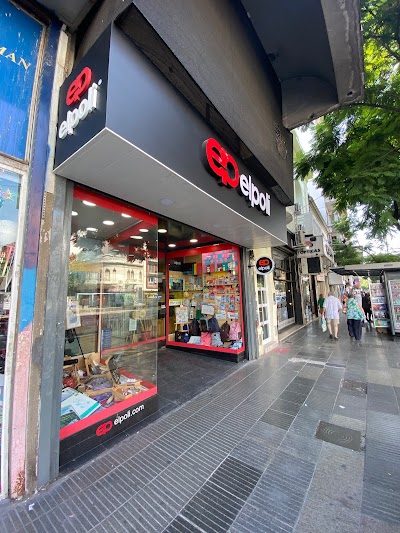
(74, 213)
(167, 201)
(90, 204)
(172, 245)
(144, 230)
(161, 230)
(194, 240)
(136, 237)
(125, 215)
(91, 229)
(108, 222)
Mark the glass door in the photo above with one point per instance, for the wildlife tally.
(262, 301)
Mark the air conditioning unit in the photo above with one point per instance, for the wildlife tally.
(299, 237)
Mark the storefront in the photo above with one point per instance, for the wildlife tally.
(284, 283)
(162, 215)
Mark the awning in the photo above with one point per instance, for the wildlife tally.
(366, 269)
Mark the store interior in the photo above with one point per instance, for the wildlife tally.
(137, 283)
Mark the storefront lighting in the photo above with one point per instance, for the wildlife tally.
(172, 245)
(144, 230)
(74, 213)
(138, 237)
(167, 201)
(125, 215)
(108, 222)
(91, 229)
(89, 204)
(161, 230)
(194, 240)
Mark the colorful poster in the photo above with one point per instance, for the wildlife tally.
(73, 318)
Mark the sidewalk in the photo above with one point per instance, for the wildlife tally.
(243, 456)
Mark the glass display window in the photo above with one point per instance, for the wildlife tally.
(112, 318)
(204, 299)
(10, 184)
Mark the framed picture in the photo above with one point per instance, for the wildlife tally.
(73, 319)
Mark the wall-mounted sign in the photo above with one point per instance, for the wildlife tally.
(220, 164)
(265, 265)
(318, 247)
(21, 37)
(80, 85)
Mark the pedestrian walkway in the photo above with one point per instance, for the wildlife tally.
(306, 439)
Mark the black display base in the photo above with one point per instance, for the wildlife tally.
(93, 436)
(227, 355)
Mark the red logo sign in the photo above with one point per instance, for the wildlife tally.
(223, 166)
(79, 86)
(104, 428)
(220, 163)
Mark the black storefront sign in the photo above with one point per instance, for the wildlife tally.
(93, 436)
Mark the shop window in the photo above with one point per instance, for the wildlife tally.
(109, 323)
(262, 301)
(204, 299)
(284, 286)
(9, 206)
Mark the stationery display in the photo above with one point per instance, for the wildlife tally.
(379, 305)
(210, 295)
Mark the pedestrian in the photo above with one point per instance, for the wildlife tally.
(332, 306)
(366, 305)
(355, 315)
(321, 301)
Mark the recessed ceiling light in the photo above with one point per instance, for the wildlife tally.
(144, 230)
(74, 213)
(194, 240)
(161, 230)
(167, 201)
(90, 204)
(172, 245)
(108, 222)
(136, 237)
(91, 229)
(125, 215)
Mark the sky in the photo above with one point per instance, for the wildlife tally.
(393, 243)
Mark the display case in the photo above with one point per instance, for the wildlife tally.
(111, 329)
(392, 279)
(379, 305)
(205, 301)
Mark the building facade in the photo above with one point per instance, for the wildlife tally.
(161, 209)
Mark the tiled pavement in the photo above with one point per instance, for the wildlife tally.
(243, 456)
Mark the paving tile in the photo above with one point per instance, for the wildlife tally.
(278, 419)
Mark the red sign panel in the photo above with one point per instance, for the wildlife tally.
(79, 86)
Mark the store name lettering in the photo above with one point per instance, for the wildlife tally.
(78, 87)
(220, 164)
(11, 57)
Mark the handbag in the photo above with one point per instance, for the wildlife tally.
(323, 324)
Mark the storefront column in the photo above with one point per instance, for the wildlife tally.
(249, 306)
(25, 403)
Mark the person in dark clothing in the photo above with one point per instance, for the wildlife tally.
(366, 305)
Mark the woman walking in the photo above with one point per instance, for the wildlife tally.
(355, 315)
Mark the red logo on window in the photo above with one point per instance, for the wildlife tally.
(104, 428)
(79, 86)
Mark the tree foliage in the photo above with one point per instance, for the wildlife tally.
(355, 154)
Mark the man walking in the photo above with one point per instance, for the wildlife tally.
(332, 306)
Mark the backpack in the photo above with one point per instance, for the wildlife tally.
(213, 326)
(194, 328)
(225, 332)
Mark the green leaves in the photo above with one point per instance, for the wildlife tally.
(355, 155)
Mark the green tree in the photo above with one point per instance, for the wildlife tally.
(355, 154)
